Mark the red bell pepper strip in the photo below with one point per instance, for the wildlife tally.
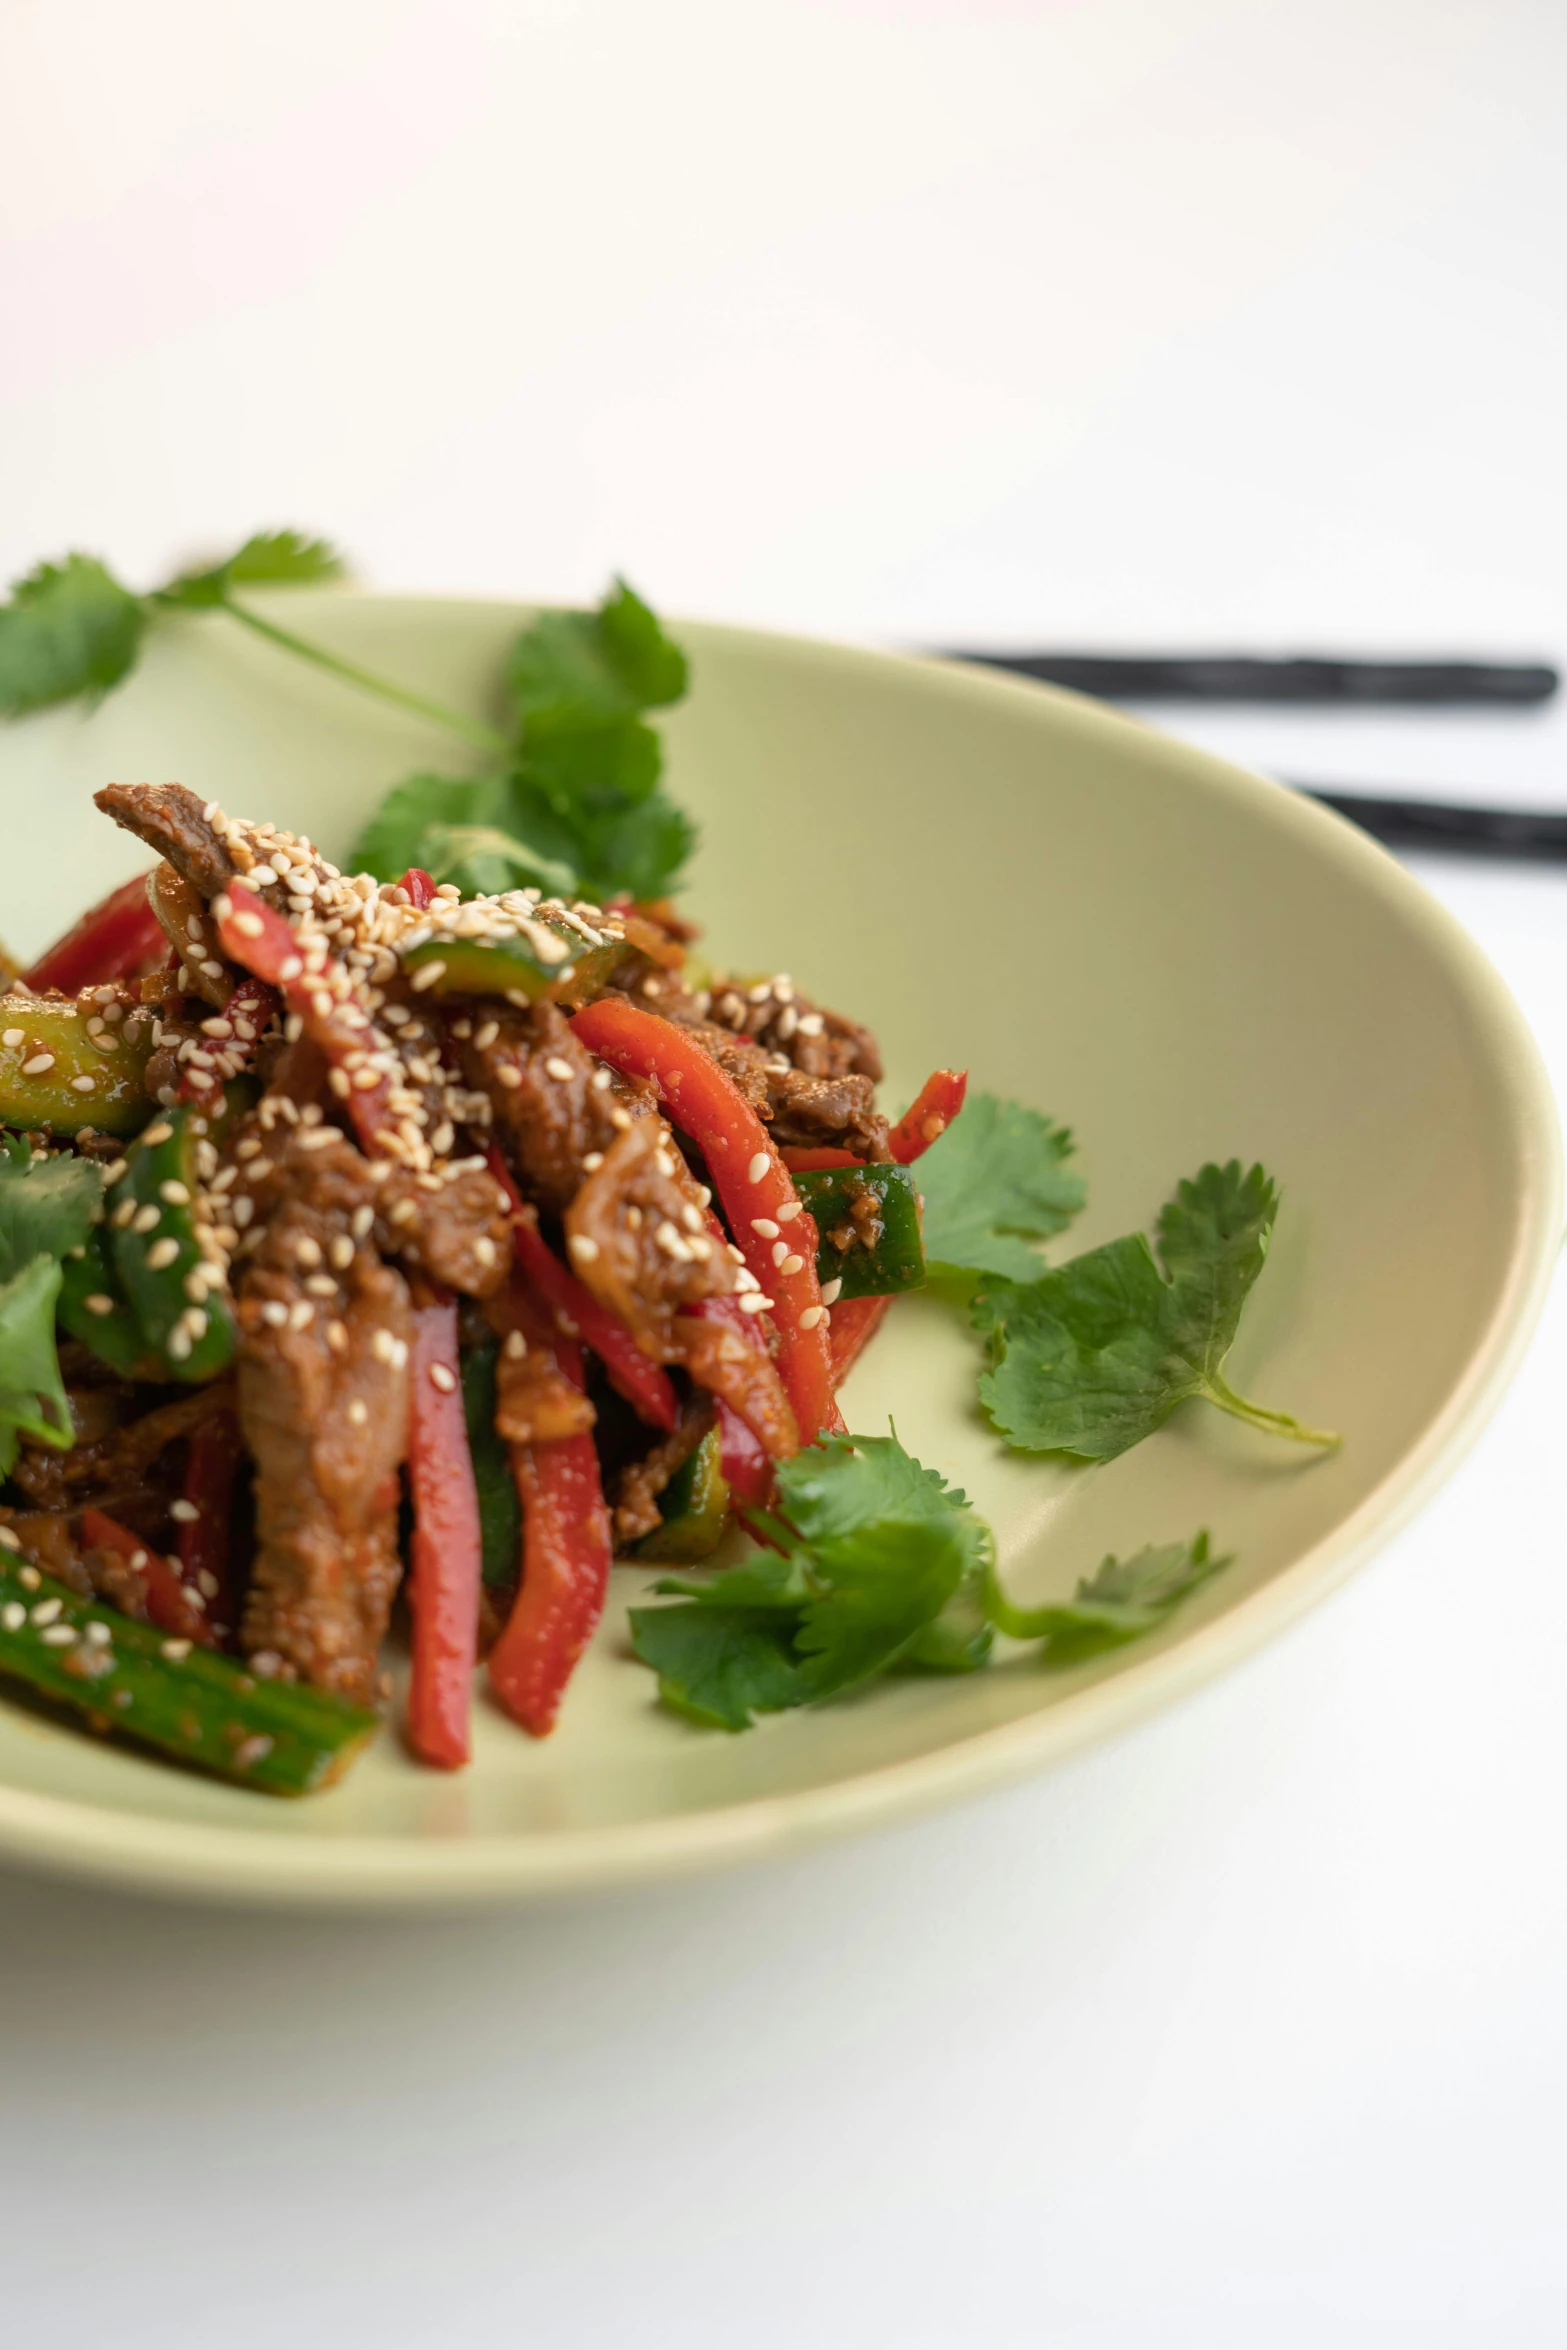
(646, 1385)
(566, 1550)
(211, 1467)
(119, 935)
(420, 887)
(446, 1552)
(929, 1115)
(250, 1011)
(800, 1161)
(854, 1324)
(749, 1177)
(321, 993)
(169, 1605)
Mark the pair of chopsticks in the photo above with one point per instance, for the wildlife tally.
(1325, 683)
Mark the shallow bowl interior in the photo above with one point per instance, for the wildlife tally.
(1182, 961)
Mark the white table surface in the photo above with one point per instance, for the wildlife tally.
(911, 320)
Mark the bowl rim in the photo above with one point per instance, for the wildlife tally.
(287, 1870)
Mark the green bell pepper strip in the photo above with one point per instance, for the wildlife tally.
(94, 1308)
(500, 1511)
(55, 1077)
(153, 1237)
(204, 1708)
(896, 1262)
(694, 1506)
(548, 961)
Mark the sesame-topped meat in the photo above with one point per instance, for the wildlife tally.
(556, 1110)
(637, 1235)
(173, 821)
(641, 1482)
(806, 1111)
(323, 1404)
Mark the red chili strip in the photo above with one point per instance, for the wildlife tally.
(446, 1553)
(751, 1182)
(169, 1605)
(114, 938)
(929, 1115)
(854, 1324)
(321, 993)
(811, 1162)
(420, 887)
(646, 1386)
(206, 1552)
(566, 1549)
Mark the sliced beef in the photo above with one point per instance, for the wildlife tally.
(110, 1468)
(800, 1109)
(456, 1229)
(554, 1107)
(185, 923)
(169, 819)
(534, 1403)
(638, 1236)
(323, 1403)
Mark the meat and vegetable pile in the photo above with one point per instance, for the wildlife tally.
(391, 1254)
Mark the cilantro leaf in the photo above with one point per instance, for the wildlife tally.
(485, 861)
(32, 1399)
(871, 1549)
(274, 558)
(1119, 1602)
(996, 1179)
(572, 671)
(720, 1666)
(45, 1208)
(1096, 1354)
(395, 836)
(69, 630)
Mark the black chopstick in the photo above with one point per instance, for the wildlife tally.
(1536, 833)
(1315, 680)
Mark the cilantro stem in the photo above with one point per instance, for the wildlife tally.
(472, 730)
(1018, 1623)
(1256, 1415)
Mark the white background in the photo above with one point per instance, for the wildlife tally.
(1204, 321)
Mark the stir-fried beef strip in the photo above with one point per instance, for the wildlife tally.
(806, 1110)
(636, 1511)
(325, 1328)
(556, 1111)
(118, 1460)
(638, 1236)
(534, 1404)
(173, 821)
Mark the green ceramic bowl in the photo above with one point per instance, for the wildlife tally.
(1181, 960)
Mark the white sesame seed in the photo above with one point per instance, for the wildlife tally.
(84, 1084)
(307, 1251)
(46, 1610)
(620, 1119)
(8, 1540)
(174, 1651)
(485, 1036)
(765, 1226)
(760, 1163)
(744, 1277)
(13, 1615)
(290, 968)
(787, 1265)
(781, 1252)
(811, 1315)
(38, 1065)
(831, 1292)
(557, 1068)
(97, 1632)
(509, 1075)
(442, 1378)
(59, 1636)
(382, 1346)
(184, 1512)
(248, 925)
(516, 1346)
(265, 1663)
(162, 1254)
(28, 1577)
(427, 976)
(301, 1314)
(195, 1320)
(175, 1193)
(484, 1250)
(360, 1221)
(178, 1344)
(582, 1249)
(341, 1252)
(337, 1339)
(97, 1303)
(275, 1314)
(753, 1302)
(13, 1037)
(399, 1354)
(811, 1024)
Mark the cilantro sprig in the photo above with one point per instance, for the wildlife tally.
(47, 1209)
(874, 1565)
(1097, 1353)
(570, 797)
